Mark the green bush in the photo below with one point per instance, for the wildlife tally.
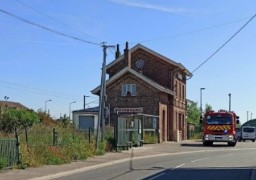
(150, 138)
(68, 146)
(101, 148)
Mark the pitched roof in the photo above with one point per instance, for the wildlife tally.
(10, 104)
(89, 110)
(139, 46)
(140, 76)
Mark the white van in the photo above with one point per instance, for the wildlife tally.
(248, 133)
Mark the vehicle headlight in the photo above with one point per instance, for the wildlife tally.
(206, 137)
(230, 137)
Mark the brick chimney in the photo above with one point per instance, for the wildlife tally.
(117, 51)
(127, 55)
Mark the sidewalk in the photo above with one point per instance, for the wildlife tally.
(54, 171)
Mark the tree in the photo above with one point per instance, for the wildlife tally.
(14, 119)
(193, 113)
(208, 107)
(26, 120)
(9, 121)
(65, 121)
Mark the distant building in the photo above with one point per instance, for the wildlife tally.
(143, 81)
(86, 118)
(12, 105)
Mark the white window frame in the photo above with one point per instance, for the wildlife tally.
(129, 88)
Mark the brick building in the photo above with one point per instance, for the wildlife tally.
(143, 81)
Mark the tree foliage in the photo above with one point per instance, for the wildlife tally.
(22, 119)
(208, 107)
(193, 113)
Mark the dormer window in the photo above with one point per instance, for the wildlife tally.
(128, 90)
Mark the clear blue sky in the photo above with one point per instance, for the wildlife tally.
(37, 65)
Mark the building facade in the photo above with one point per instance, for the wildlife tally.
(143, 81)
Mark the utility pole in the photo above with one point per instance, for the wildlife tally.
(102, 107)
(201, 109)
(85, 100)
(229, 101)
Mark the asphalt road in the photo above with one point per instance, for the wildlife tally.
(200, 163)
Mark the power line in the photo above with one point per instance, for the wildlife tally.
(19, 87)
(193, 31)
(48, 29)
(54, 19)
(215, 52)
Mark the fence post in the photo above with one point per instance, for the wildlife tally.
(53, 137)
(17, 146)
(89, 135)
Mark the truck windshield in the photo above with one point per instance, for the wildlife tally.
(219, 119)
(249, 130)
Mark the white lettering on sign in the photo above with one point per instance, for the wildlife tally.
(129, 110)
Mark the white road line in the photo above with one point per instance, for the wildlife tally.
(155, 177)
(178, 166)
(227, 155)
(199, 160)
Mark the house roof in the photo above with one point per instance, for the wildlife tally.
(139, 46)
(140, 76)
(89, 110)
(10, 104)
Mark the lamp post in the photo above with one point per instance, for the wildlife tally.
(6, 98)
(45, 105)
(70, 109)
(229, 101)
(201, 109)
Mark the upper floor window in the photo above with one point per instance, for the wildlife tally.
(129, 90)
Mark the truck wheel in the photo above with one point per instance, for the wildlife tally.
(233, 144)
(253, 140)
(207, 143)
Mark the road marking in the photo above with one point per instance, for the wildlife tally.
(178, 166)
(199, 160)
(227, 155)
(155, 177)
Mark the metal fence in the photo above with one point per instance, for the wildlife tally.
(8, 152)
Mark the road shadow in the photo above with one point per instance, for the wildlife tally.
(210, 173)
(201, 145)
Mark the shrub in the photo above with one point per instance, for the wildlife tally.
(150, 138)
(101, 148)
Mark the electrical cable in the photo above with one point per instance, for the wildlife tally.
(48, 29)
(215, 52)
(54, 19)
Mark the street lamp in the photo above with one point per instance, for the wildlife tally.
(201, 109)
(70, 109)
(45, 105)
(6, 98)
(229, 101)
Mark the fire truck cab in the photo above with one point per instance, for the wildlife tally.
(219, 126)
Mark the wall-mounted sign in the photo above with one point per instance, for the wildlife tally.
(129, 110)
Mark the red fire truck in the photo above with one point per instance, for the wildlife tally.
(219, 126)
